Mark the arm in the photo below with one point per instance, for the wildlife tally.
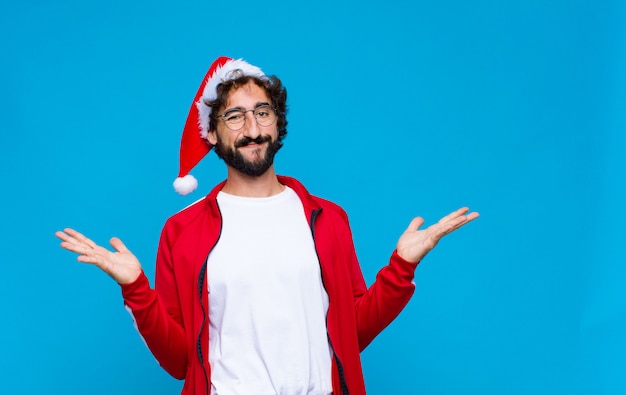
(379, 305)
(157, 313)
(154, 312)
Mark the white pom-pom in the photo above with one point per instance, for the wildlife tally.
(185, 185)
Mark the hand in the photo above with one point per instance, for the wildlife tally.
(121, 265)
(414, 244)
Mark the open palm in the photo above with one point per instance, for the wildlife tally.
(414, 243)
(121, 265)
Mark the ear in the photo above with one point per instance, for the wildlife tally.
(211, 136)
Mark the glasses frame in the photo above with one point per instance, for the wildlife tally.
(245, 118)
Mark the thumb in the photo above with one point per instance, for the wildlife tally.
(415, 223)
(118, 245)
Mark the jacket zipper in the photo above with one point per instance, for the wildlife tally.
(201, 279)
(342, 379)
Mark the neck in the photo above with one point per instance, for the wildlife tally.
(240, 184)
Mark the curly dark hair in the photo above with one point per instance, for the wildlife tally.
(272, 86)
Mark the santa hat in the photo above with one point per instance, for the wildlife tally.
(194, 145)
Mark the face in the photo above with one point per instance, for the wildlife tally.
(251, 149)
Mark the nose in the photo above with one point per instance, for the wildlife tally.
(251, 128)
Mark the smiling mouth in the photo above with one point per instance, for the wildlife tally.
(252, 145)
(246, 141)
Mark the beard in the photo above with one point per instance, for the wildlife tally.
(233, 158)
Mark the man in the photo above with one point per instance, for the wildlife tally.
(257, 288)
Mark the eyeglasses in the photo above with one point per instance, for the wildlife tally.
(234, 119)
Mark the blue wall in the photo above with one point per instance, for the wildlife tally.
(513, 108)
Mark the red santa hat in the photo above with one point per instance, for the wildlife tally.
(194, 145)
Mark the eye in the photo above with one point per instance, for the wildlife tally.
(263, 112)
(233, 116)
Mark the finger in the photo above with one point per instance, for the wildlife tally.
(454, 214)
(85, 254)
(66, 245)
(77, 238)
(472, 216)
(118, 245)
(73, 245)
(440, 230)
(463, 221)
(62, 235)
(92, 259)
(67, 238)
(415, 223)
(80, 237)
(80, 249)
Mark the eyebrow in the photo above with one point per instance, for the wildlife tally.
(259, 104)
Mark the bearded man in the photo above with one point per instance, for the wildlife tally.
(258, 289)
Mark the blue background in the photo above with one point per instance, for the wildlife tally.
(397, 109)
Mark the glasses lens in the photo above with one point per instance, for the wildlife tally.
(265, 115)
(234, 119)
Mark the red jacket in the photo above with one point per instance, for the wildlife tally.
(173, 317)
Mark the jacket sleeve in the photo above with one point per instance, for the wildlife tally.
(384, 299)
(157, 313)
(377, 306)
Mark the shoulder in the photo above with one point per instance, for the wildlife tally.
(331, 207)
(181, 219)
(190, 211)
(189, 219)
(312, 202)
(206, 205)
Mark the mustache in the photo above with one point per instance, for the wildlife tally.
(242, 142)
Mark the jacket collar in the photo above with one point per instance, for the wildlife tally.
(307, 199)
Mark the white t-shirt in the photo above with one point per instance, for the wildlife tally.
(267, 304)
